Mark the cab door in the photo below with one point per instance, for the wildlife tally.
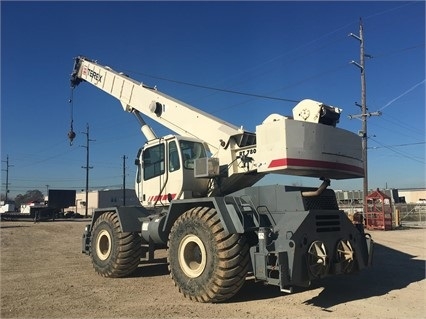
(174, 171)
(161, 174)
(153, 163)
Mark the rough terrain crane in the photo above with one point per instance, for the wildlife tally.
(199, 200)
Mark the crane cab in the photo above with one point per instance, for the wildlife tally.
(165, 170)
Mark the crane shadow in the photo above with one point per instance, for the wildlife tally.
(12, 226)
(391, 270)
(157, 267)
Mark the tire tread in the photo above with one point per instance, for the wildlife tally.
(232, 253)
(126, 251)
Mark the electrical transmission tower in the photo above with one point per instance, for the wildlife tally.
(7, 177)
(124, 180)
(364, 114)
(87, 167)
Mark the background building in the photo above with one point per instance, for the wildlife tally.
(413, 195)
(104, 198)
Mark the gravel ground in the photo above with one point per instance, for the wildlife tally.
(45, 275)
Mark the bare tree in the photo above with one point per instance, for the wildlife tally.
(30, 196)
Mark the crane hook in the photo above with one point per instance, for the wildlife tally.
(71, 133)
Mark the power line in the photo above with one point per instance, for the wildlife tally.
(222, 90)
(389, 10)
(397, 145)
(399, 153)
(385, 54)
(287, 86)
(407, 128)
(403, 94)
(327, 45)
(275, 58)
(290, 61)
(262, 96)
(62, 154)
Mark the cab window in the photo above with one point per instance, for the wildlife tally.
(174, 162)
(153, 161)
(190, 152)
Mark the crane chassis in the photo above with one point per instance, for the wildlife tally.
(199, 201)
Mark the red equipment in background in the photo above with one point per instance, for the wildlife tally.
(379, 211)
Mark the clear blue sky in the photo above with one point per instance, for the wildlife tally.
(291, 50)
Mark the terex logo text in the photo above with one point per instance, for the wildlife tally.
(91, 73)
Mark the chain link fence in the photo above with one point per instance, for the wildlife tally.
(403, 215)
(411, 214)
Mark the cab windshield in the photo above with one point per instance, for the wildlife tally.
(190, 152)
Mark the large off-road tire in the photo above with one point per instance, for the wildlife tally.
(206, 263)
(114, 253)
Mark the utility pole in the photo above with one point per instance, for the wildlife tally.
(364, 115)
(87, 167)
(124, 180)
(7, 177)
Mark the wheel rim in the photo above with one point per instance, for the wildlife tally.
(346, 255)
(103, 244)
(192, 256)
(318, 259)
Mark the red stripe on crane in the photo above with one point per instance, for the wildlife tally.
(315, 164)
(154, 198)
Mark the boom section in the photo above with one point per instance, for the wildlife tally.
(181, 118)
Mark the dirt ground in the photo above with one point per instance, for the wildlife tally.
(45, 275)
